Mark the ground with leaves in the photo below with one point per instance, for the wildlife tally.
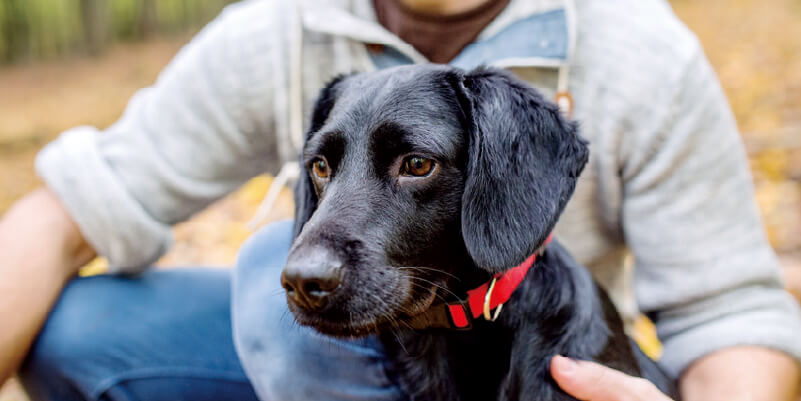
(754, 45)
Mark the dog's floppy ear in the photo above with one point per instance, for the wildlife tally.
(305, 196)
(523, 162)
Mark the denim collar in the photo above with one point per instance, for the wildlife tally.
(529, 33)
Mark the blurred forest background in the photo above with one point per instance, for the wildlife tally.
(65, 63)
(46, 29)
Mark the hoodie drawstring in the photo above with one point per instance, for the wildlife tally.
(290, 171)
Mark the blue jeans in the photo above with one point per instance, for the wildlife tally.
(167, 335)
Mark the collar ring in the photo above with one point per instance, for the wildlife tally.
(491, 317)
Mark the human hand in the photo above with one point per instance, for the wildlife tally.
(589, 381)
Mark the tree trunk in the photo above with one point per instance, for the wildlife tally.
(148, 19)
(96, 18)
(16, 30)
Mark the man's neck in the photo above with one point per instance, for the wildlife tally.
(442, 7)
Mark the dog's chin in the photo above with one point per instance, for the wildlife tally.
(340, 328)
(349, 328)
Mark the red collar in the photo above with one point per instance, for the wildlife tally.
(480, 300)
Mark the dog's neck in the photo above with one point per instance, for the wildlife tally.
(559, 295)
(557, 306)
(477, 301)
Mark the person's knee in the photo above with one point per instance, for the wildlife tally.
(264, 331)
(266, 248)
(259, 305)
(257, 293)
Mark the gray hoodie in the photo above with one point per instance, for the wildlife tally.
(667, 186)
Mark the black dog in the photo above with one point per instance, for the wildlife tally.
(424, 183)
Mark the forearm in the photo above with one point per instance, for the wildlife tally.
(40, 248)
(742, 373)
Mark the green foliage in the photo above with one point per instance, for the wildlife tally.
(37, 29)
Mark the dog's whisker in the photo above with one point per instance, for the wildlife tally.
(436, 294)
(408, 326)
(435, 285)
(429, 269)
(390, 318)
(393, 330)
(382, 302)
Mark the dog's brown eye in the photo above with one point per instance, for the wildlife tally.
(320, 168)
(417, 166)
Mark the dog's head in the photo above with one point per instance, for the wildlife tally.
(418, 181)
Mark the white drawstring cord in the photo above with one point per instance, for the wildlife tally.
(290, 171)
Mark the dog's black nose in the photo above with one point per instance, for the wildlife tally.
(309, 277)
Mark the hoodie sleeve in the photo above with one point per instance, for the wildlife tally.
(704, 270)
(197, 134)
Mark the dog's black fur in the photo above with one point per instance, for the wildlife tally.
(506, 165)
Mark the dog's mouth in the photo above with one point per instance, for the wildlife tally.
(385, 314)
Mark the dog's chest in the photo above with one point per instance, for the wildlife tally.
(451, 365)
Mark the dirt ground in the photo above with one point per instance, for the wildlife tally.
(754, 45)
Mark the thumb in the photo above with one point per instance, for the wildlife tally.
(589, 381)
